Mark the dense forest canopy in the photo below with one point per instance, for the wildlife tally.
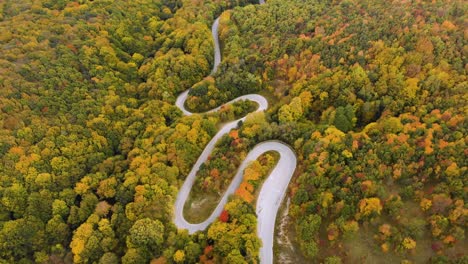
(371, 95)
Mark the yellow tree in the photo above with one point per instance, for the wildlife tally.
(179, 256)
(369, 206)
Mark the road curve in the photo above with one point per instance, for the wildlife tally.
(274, 187)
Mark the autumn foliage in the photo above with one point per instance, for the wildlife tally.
(224, 216)
(371, 95)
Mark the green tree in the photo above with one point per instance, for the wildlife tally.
(235, 257)
(309, 227)
(345, 119)
(146, 234)
(135, 256)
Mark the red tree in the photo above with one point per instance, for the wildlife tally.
(224, 217)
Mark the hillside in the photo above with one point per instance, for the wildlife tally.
(369, 95)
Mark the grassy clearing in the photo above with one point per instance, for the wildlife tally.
(200, 206)
(286, 249)
(363, 249)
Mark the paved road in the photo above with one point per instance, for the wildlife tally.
(274, 187)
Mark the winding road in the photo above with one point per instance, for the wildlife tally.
(274, 187)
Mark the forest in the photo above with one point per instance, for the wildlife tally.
(370, 94)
